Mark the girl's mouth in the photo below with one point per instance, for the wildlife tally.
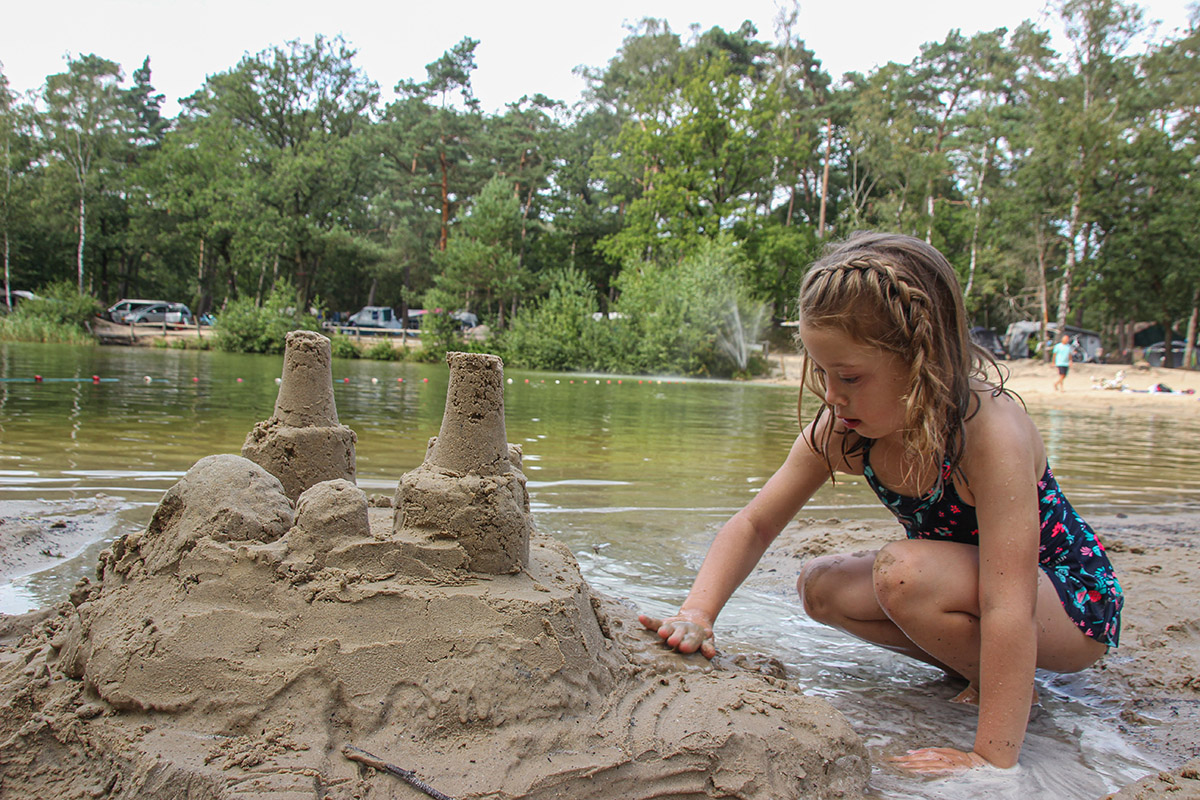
(850, 424)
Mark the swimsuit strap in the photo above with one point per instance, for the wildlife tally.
(891, 497)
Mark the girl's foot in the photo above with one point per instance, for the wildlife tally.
(968, 696)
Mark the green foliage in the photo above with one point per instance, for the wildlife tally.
(58, 314)
(688, 318)
(187, 343)
(61, 302)
(249, 328)
(18, 328)
(480, 260)
(1047, 179)
(440, 333)
(673, 318)
(559, 333)
(384, 350)
(343, 346)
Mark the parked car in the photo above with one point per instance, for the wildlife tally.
(16, 297)
(123, 309)
(1154, 353)
(170, 313)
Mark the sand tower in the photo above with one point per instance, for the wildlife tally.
(302, 443)
(485, 507)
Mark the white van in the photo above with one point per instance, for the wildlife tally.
(122, 310)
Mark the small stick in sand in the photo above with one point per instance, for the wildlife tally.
(362, 756)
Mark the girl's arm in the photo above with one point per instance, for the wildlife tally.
(1004, 469)
(1003, 463)
(740, 544)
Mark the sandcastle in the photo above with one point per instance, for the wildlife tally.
(242, 642)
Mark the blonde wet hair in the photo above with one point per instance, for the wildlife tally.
(901, 295)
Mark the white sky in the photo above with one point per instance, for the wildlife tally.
(526, 47)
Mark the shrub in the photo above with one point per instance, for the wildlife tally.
(186, 343)
(440, 332)
(694, 317)
(384, 350)
(560, 332)
(343, 346)
(680, 318)
(248, 328)
(59, 314)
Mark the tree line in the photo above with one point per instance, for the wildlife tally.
(716, 163)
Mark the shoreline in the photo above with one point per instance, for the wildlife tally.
(1033, 380)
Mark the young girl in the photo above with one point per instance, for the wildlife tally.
(998, 574)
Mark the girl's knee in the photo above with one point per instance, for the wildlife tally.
(817, 584)
(896, 573)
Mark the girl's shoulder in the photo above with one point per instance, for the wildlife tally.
(999, 425)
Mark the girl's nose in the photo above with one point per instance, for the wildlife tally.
(832, 396)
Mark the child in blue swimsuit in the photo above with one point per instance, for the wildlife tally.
(999, 575)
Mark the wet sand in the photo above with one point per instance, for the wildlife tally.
(1155, 672)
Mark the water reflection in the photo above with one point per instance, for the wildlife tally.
(635, 476)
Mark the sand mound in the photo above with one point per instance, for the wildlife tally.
(234, 648)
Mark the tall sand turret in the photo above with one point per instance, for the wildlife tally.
(470, 488)
(303, 443)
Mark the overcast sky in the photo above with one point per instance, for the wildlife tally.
(526, 47)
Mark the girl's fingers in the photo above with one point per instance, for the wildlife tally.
(681, 634)
(938, 761)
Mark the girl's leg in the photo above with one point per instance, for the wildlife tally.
(838, 591)
(930, 591)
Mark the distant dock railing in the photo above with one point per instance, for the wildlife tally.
(359, 331)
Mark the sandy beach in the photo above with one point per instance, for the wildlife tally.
(1034, 382)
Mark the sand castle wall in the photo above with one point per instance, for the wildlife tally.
(234, 647)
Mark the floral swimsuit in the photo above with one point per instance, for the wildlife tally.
(1071, 555)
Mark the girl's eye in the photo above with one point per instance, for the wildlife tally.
(849, 380)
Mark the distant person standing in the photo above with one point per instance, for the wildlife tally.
(1062, 360)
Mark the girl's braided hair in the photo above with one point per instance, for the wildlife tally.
(901, 295)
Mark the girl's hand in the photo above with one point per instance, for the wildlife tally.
(939, 761)
(687, 632)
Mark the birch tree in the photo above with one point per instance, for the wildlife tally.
(83, 115)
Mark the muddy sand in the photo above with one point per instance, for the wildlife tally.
(272, 617)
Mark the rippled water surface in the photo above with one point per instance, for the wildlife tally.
(635, 475)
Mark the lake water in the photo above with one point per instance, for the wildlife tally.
(634, 475)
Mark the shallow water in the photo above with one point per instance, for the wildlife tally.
(635, 476)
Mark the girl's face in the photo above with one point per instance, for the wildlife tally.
(864, 385)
